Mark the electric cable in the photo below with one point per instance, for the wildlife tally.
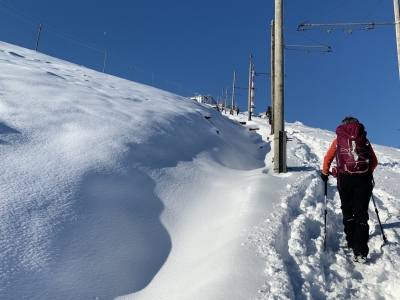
(17, 16)
(19, 11)
(347, 3)
(70, 37)
(73, 39)
(315, 41)
(371, 11)
(327, 12)
(84, 44)
(360, 22)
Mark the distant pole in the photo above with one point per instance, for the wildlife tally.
(249, 104)
(279, 89)
(37, 41)
(226, 98)
(222, 99)
(105, 59)
(233, 91)
(252, 105)
(272, 74)
(397, 21)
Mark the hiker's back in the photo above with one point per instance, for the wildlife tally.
(353, 155)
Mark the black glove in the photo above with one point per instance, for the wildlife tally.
(324, 177)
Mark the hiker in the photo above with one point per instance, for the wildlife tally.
(237, 111)
(356, 161)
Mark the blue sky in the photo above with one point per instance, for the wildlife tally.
(195, 46)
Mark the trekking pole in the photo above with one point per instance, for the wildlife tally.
(380, 224)
(325, 212)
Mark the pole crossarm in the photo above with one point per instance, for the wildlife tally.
(307, 49)
(372, 24)
(261, 73)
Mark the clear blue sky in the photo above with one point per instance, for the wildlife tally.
(196, 45)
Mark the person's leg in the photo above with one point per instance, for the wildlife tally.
(346, 198)
(362, 195)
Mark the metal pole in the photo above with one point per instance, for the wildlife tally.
(397, 21)
(226, 98)
(223, 101)
(249, 104)
(380, 224)
(105, 59)
(37, 41)
(325, 212)
(233, 91)
(272, 74)
(279, 87)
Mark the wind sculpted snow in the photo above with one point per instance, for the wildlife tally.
(113, 189)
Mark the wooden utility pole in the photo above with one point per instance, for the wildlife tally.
(272, 74)
(37, 41)
(279, 155)
(233, 91)
(397, 21)
(250, 73)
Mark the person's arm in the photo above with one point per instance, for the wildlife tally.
(330, 155)
(374, 159)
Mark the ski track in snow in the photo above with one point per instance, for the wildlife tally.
(291, 240)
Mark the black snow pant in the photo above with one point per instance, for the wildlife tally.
(355, 193)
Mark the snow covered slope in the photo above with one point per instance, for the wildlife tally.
(112, 189)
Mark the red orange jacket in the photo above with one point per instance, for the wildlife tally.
(330, 155)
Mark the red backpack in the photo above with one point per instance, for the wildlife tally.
(353, 155)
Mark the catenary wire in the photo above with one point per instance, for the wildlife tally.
(17, 16)
(70, 38)
(326, 12)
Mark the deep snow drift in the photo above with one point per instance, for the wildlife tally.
(112, 189)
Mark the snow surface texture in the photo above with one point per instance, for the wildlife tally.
(112, 189)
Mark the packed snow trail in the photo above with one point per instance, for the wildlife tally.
(291, 240)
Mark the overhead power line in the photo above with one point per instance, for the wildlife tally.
(78, 41)
(17, 13)
(345, 3)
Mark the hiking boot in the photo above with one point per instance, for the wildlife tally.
(360, 259)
